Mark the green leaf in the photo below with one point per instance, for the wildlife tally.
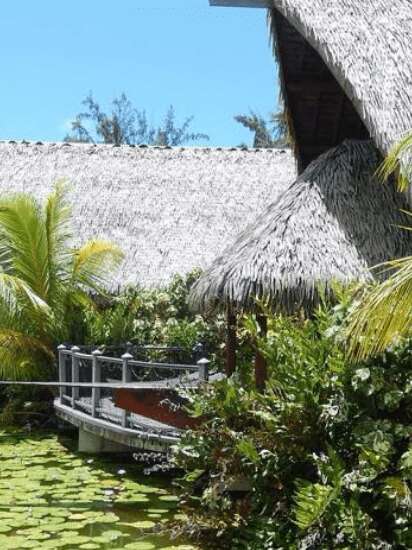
(247, 448)
(311, 502)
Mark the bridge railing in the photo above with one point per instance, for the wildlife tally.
(93, 377)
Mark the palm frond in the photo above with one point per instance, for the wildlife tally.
(382, 314)
(43, 281)
(23, 357)
(58, 231)
(94, 262)
(16, 294)
(399, 162)
(23, 242)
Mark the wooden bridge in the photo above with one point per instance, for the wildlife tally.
(120, 403)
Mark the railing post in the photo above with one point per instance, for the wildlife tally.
(126, 377)
(198, 351)
(96, 378)
(62, 371)
(203, 365)
(75, 375)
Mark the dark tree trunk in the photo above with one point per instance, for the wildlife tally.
(231, 341)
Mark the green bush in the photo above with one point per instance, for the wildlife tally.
(156, 316)
(326, 449)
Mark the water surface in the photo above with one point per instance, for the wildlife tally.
(52, 497)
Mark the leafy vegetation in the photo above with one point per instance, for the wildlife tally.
(126, 125)
(324, 453)
(156, 316)
(44, 282)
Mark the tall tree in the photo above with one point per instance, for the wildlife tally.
(44, 281)
(267, 134)
(127, 125)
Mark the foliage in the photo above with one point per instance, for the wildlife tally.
(43, 281)
(126, 125)
(382, 312)
(325, 450)
(398, 162)
(155, 316)
(266, 134)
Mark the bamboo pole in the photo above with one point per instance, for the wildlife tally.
(260, 362)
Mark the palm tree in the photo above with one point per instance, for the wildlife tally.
(44, 282)
(382, 314)
(274, 133)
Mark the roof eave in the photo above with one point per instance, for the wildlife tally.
(241, 3)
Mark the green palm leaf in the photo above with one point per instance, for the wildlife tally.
(94, 262)
(381, 315)
(398, 162)
(311, 502)
(44, 282)
(23, 242)
(23, 356)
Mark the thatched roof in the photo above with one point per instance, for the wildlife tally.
(345, 69)
(171, 210)
(333, 223)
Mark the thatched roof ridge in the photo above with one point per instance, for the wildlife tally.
(333, 223)
(360, 47)
(170, 209)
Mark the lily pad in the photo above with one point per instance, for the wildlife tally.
(111, 535)
(169, 498)
(52, 498)
(140, 545)
(144, 524)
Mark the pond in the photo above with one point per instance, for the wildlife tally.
(52, 497)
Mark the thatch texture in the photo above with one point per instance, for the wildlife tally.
(333, 223)
(171, 210)
(345, 66)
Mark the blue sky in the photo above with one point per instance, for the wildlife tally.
(208, 62)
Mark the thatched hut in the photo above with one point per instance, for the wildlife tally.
(334, 223)
(345, 71)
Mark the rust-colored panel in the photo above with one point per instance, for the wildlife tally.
(151, 403)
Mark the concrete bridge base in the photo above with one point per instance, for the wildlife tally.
(101, 436)
(92, 443)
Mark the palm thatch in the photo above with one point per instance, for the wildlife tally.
(345, 70)
(333, 223)
(170, 210)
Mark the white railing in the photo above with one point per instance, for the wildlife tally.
(82, 380)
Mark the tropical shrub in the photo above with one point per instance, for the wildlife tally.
(325, 452)
(44, 281)
(156, 316)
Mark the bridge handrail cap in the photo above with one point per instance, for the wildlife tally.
(75, 349)
(97, 352)
(127, 355)
(61, 347)
(203, 361)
